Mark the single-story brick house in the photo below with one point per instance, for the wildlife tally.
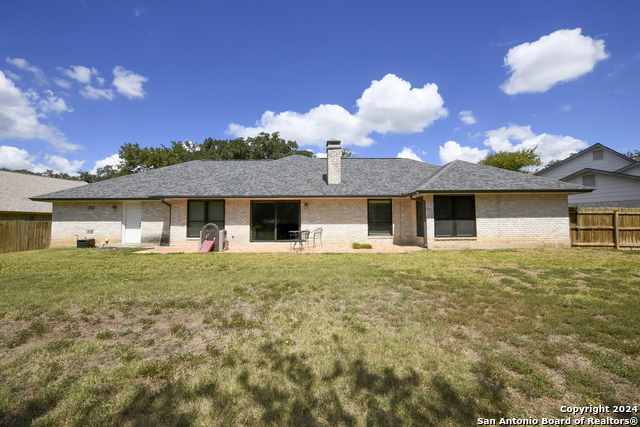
(460, 205)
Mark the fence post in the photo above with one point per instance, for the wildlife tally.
(578, 231)
(616, 231)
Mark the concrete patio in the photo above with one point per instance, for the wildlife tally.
(284, 247)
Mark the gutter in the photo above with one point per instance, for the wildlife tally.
(168, 204)
(424, 218)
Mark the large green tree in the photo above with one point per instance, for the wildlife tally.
(517, 161)
(136, 159)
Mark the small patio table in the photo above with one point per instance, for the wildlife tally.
(298, 236)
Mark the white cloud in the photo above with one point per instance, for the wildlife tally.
(388, 105)
(24, 65)
(62, 83)
(19, 118)
(93, 93)
(15, 158)
(467, 117)
(12, 76)
(53, 104)
(100, 80)
(561, 56)
(18, 158)
(80, 73)
(514, 138)
(313, 128)
(321, 155)
(407, 153)
(138, 11)
(566, 107)
(453, 151)
(550, 147)
(60, 164)
(108, 161)
(128, 83)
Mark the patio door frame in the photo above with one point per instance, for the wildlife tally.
(275, 214)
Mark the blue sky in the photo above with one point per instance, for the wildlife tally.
(429, 80)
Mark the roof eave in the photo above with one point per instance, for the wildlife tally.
(567, 191)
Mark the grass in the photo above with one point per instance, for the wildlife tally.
(435, 338)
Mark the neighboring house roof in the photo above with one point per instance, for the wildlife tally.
(591, 170)
(299, 176)
(582, 153)
(16, 188)
(628, 167)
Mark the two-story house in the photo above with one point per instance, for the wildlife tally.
(615, 177)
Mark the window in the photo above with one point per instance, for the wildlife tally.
(589, 180)
(273, 220)
(379, 214)
(598, 154)
(419, 218)
(204, 212)
(455, 216)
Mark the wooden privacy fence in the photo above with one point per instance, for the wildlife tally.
(17, 236)
(606, 227)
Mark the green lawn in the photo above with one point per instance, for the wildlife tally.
(440, 338)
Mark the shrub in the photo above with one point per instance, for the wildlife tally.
(356, 245)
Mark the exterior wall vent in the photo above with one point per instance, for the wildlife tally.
(598, 154)
(589, 180)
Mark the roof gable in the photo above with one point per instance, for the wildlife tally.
(598, 171)
(576, 157)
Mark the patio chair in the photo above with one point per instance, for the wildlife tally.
(317, 234)
(300, 238)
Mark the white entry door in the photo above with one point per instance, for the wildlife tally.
(132, 223)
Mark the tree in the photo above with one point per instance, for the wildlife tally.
(635, 155)
(48, 173)
(516, 161)
(105, 172)
(139, 159)
(346, 153)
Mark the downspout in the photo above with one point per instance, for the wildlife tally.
(424, 218)
(168, 204)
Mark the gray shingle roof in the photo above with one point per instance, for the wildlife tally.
(459, 176)
(299, 176)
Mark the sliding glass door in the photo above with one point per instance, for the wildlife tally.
(272, 221)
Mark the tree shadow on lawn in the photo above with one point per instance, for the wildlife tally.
(293, 395)
(385, 398)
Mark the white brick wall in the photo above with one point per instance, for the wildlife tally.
(342, 220)
(75, 218)
(511, 220)
(502, 220)
(103, 222)
(155, 223)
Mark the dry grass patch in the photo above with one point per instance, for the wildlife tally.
(438, 338)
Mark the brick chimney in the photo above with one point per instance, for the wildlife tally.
(334, 152)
